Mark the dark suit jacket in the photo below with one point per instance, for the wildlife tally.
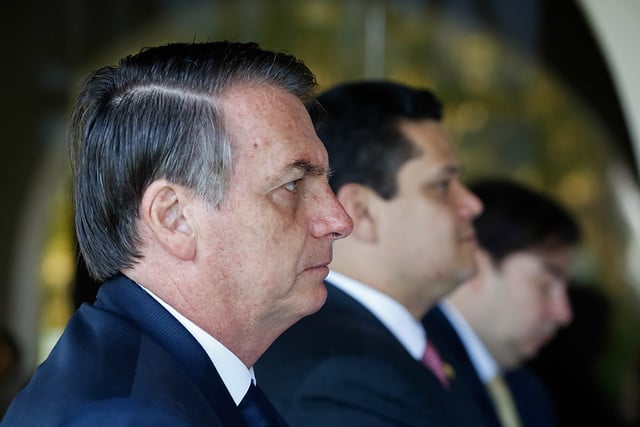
(530, 397)
(342, 367)
(125, 362)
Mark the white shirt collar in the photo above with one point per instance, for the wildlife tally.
(484, 364)
(390, 312)
(235, 375)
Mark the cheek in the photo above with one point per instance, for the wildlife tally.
(280, 241)
(528, 314)
(267, 223)
(429, 236)
(255, 240)
(433, 225)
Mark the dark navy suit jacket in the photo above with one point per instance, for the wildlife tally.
(125, 361)
(342, 367)
(532, 401)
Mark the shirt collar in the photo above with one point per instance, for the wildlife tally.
(393, 315)
(484, 364)
(235, 375)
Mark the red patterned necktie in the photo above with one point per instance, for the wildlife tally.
(431, 359)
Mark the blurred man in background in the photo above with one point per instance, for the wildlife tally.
(502, 316)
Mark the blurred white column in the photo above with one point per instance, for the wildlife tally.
(616, 25)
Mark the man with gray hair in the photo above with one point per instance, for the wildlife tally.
(202, 203)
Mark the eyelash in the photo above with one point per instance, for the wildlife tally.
(294, 183)
(443, 185)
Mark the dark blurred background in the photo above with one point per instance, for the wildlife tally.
(530, 88)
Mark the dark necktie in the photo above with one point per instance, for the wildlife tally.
(431, 359)
(257, 411)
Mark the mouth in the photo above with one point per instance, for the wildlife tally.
(469, 238)
(545, 336)
(549, 336)
(320, 269)
(317, 266)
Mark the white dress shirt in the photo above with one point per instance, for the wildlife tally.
(484, 364)
(236, 376)
(390, 312)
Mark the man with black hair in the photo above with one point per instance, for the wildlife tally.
(364, 359)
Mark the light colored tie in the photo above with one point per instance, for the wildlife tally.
(503, 402)
(431, 359)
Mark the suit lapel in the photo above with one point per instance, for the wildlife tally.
(386, 345)
(452, 350)
(124, 297)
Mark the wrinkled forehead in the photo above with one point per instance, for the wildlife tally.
(264, 110)
(270, 130)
